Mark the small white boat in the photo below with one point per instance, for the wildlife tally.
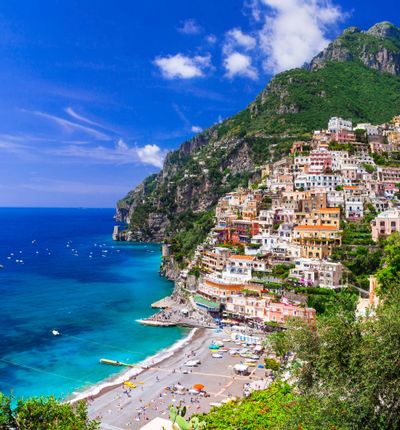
(55, 332)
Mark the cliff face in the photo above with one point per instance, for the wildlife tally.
(354, 77)
(378, 48)
(192, 179)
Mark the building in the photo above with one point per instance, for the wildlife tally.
(264, 309)
(385, 224)
(320, 161)
(327, 182)
(354, 207)
(371, 130)
(215, 260)
(317, 241)
(343, 136)
(317, 273)
(388, 174)
(337, 124)
(218, 290)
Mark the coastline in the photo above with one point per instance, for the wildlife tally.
(118, 378)
(151, 394)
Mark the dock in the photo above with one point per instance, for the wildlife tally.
(164, 303)
(118, 363)
(155, 323)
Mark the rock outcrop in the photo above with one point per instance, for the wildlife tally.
(378, 48)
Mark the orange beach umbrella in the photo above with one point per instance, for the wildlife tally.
(198, 387)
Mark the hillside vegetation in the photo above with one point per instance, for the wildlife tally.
(354, 78)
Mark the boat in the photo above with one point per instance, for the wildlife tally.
(55, 332)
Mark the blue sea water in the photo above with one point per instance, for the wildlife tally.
(75, 279)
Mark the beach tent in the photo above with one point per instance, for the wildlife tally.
(240, 368)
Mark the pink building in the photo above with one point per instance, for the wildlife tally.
(320, 161)
(344, 136)
(385, 224)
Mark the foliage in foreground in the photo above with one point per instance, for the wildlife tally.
(44, 414)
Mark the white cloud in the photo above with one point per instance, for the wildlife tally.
(72, 126)
(237, 60)
(190, 26)
(236, 37)
(71, 112)
(151, 154)
(237, 64)
(295, 30)
(183, 67)
(121, 153)
(196, 129)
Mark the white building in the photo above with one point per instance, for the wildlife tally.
(354, 207)
(372, 130)
(317, 273)
(328, 182)
(337, 124)
(335, 199)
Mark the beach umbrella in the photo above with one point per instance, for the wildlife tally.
(241, 367)
(198, 387)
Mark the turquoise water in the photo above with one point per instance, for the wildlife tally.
(75, 279)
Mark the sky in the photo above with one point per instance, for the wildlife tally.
(94, 93)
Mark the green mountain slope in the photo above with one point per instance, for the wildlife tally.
(175, 204)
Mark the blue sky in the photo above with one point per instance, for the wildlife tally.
(94, 93)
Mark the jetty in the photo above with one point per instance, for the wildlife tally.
(164, 303)
(157, 323)
(118, 363)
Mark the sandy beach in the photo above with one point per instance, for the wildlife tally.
(120, 407)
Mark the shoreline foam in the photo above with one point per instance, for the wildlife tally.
(118, 378)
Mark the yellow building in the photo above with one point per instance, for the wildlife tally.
(317, 241)
(323, 217)
(393, 138)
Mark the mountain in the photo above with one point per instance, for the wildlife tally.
(356, 76)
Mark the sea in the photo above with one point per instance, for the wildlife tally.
(62, 272)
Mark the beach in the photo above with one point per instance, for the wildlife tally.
(121, 407)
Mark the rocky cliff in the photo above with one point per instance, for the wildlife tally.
(356, 77)
(378, 48)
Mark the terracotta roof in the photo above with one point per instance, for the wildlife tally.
(329, 210)
(242, 257)
(317, 227)
(350, 186)
(237, 287)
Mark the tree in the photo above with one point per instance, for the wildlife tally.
(388, 276)
(45, 413)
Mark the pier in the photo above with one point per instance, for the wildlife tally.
(118, 363)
